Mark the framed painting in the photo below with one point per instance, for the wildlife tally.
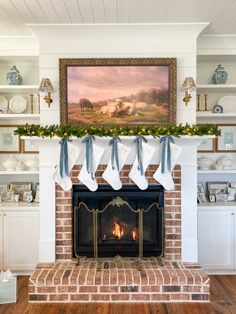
(227, 141)
(116, 91)
(207, 145)
(9, 142)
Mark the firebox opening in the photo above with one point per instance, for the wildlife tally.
(128, 222)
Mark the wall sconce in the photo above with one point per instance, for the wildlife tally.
(46, 87)
(188, 86)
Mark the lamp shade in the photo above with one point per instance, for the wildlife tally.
(189, 85)
(46, 85)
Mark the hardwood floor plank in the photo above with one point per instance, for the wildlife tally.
(223, 297)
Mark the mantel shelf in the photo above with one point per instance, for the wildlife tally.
(216, 88)
(11, 89)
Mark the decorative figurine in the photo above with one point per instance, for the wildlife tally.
(198, 102)
(205, 102)
(13, 76)
(220, 76)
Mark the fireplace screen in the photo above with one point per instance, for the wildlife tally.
(108, 223)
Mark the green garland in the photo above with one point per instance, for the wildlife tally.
(79, 131)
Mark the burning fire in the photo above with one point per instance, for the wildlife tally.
(134, 235)
(118, 231)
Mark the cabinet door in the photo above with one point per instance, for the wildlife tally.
(1, 241)
(215, 239)
(21, 237)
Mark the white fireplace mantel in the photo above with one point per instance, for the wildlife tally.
(49, 155)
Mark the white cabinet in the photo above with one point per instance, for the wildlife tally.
(19, 237)
(216, 239)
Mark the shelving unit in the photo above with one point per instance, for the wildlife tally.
(216, 220)
(216, 171)
(19, 222)
(220, 88)
(20, 205)
(13, 89)
(22, 172)
(22, 116)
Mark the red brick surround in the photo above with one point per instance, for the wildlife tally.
(119, 281)
(172, 213)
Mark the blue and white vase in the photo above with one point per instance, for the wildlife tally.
(13, 76)
(220, 76)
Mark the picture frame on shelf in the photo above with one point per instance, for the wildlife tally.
(27, 147)
(201, 195)
(227, 141)
(216, 187)
(8, 195)
(129, 91)
(15, 198)
(27, 196)
(9, 142)
(212, 198)
(207, 146)
(36, 197)
(3, 189)
(20, 188)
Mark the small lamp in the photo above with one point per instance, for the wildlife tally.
(46, 87)
(188, 86)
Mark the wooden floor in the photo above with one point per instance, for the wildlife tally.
(223, 300)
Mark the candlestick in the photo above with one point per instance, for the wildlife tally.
(38, 103)
(205, 102)
(32, 103)
(198, 102)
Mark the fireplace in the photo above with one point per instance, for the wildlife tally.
(108, 223)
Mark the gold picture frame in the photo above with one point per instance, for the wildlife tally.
(135, 80)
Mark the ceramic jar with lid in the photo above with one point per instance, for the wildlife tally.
(220, 75)
(13, 76)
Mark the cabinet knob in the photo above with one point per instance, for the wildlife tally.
(232, 214)
(4, 215)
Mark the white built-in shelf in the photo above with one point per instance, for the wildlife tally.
(21, 205)
(216, 171)
(209, 114)
(11, 116)
(226, 88)
(15, 172)
(216, 204)
(13, 89)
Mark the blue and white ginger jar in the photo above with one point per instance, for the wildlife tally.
(13, 76)
(220, 76)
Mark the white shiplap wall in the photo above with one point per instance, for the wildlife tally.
(101, 41)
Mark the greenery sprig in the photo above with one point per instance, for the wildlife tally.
(79, 131)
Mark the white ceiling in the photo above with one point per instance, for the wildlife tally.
(14, 14)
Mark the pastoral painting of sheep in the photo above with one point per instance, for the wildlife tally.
(118, 94)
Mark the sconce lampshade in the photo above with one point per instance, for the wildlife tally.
(189, 85)
(46, 86)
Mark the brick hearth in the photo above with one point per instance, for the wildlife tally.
(119, 281)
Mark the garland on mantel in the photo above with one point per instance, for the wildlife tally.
(67, 131)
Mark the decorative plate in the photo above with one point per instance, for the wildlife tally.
(17, 104)
(3, 104)
(228, 103)
(217, 109)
